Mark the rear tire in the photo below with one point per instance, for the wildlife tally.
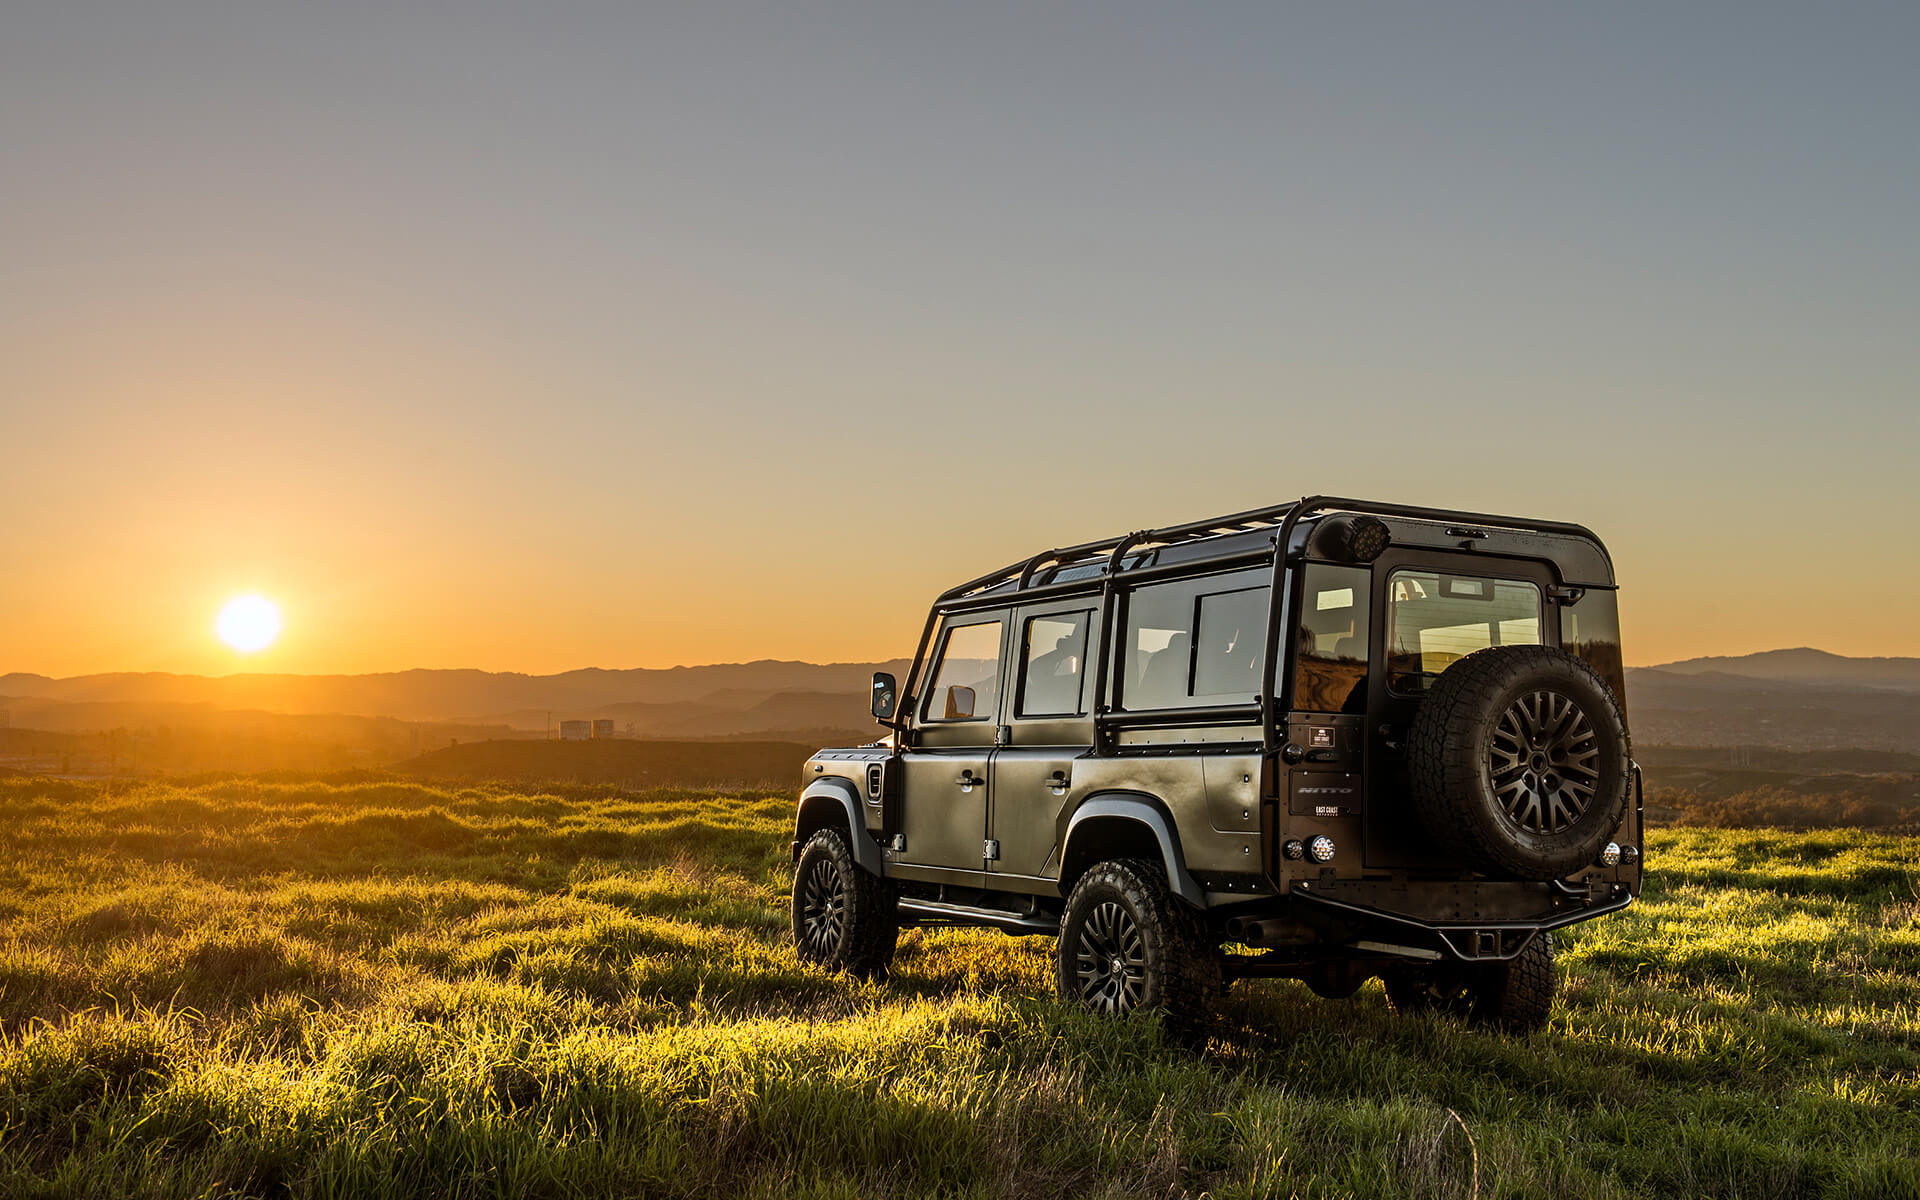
(844, 917)
(1514, 996)
(1127, 944)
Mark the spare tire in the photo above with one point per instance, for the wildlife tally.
(1519, 761)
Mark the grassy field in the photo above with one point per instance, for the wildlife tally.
(373, 988)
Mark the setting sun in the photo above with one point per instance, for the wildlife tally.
(249, 623)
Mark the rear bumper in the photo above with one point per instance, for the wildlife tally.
(1477, 921)
(1492, 938)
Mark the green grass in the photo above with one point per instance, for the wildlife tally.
(387, 988)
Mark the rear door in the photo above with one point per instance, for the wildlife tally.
(1433, 610)
(946, 778)
(1049, 726)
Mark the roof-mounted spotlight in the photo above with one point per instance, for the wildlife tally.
(1351, 537)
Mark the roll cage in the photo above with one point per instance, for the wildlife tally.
(1275, 537)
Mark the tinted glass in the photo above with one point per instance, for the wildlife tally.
(1056, 661)
(1590, 630)
(1226, 661)
(1437, 620)
(1331, 646)
(969, 663)
(1197, 641)
(1159, 646)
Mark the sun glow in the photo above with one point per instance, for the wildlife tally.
(248, 623)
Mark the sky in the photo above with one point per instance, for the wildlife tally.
(548, 336)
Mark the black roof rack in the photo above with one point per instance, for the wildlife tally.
(1112, 554)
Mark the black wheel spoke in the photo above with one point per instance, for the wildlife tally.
(1543, 761)
(1110, 960)
(823, 908)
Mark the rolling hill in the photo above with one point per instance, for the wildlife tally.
(450, 695)
(1791, 699)
(1804, 665)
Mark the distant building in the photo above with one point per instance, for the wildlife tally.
(575, 731)
(602, 730)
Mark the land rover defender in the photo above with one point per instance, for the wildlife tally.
(1329, 740)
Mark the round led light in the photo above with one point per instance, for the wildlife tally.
(1368, 539)
(1294, 849)
(1349, 537)
(1321, 848)
(1610, 857)
(1629, 854)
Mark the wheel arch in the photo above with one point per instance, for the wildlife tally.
(827, 803)
(1126, 825)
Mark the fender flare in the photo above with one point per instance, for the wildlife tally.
(866, 851)
(1144, 809)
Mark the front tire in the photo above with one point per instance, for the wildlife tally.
(1127, 944)
(1514, 996)
(844, 917)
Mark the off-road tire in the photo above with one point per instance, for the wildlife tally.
(1514, 996)
(1462, 764)
(844, 916)
(1169, 964)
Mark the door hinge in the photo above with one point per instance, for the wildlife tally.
(992, 853)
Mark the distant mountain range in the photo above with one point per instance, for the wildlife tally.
(1804, 665)
(455, 695)
(1794, 699)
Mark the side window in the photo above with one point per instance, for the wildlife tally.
(1159, 647)
(1055, 652)
(1330, 648)
(966, 677)
(1439, 619)
(1232, 631)
(1193, 642)
(1590, 630)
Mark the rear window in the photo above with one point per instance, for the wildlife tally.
(1435, 620)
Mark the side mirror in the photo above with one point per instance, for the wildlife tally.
(884, 697)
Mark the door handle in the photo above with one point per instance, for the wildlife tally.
(968, 779)
(1059, 783)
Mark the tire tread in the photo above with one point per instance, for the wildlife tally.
(1190, 986)
(873, 917)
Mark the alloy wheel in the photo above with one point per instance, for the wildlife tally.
(823, 908)
(1545, 762)
(1110, 960)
